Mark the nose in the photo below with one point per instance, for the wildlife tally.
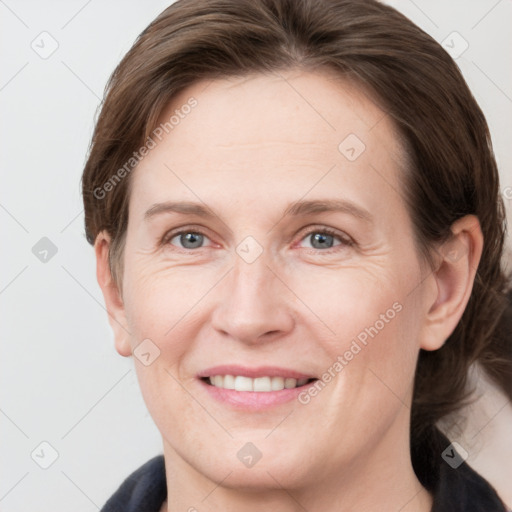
(255, 305)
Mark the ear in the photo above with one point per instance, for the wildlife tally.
(459, 258)
(111, 294)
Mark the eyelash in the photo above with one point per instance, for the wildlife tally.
(344, 241)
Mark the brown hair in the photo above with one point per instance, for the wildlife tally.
(452, 169)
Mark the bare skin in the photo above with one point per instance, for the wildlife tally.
(250, 148)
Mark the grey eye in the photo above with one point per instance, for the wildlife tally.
(321, 240)
(189, 239)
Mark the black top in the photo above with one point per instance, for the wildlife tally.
(454, 490)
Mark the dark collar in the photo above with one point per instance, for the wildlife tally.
(454, 485)
(454, 490)
(144, 490)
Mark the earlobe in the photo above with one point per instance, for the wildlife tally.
(113, 300)
(452, 282)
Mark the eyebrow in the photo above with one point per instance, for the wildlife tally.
(301, 208)
(297, 209)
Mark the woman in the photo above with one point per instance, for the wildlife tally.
(296, 216)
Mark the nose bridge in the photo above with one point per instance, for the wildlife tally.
(254, 302)
(252, 278)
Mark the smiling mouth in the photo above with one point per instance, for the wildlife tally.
(258, 384)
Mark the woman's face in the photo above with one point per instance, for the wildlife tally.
(229, 271)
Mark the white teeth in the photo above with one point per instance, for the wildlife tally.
(242, 383)
(290, 383)
(260, 384)
(229, 382)
(277, 383)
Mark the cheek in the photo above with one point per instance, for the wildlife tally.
(160, 304)
(162, 307)
(374, 321)
(354, 303)
(382, 351)
(167, 306)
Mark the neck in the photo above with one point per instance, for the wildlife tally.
(385, 476)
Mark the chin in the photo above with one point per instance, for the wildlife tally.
(267, 477)
(274, 470)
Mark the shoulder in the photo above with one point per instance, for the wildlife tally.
(145, 489)
(463, 489)
(454, 485)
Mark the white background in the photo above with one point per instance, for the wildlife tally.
(61, 380)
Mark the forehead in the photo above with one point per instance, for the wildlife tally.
(263, 107)
(285, 130)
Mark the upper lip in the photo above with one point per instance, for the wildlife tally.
(259, 371)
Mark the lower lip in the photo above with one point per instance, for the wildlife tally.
(253, 400)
